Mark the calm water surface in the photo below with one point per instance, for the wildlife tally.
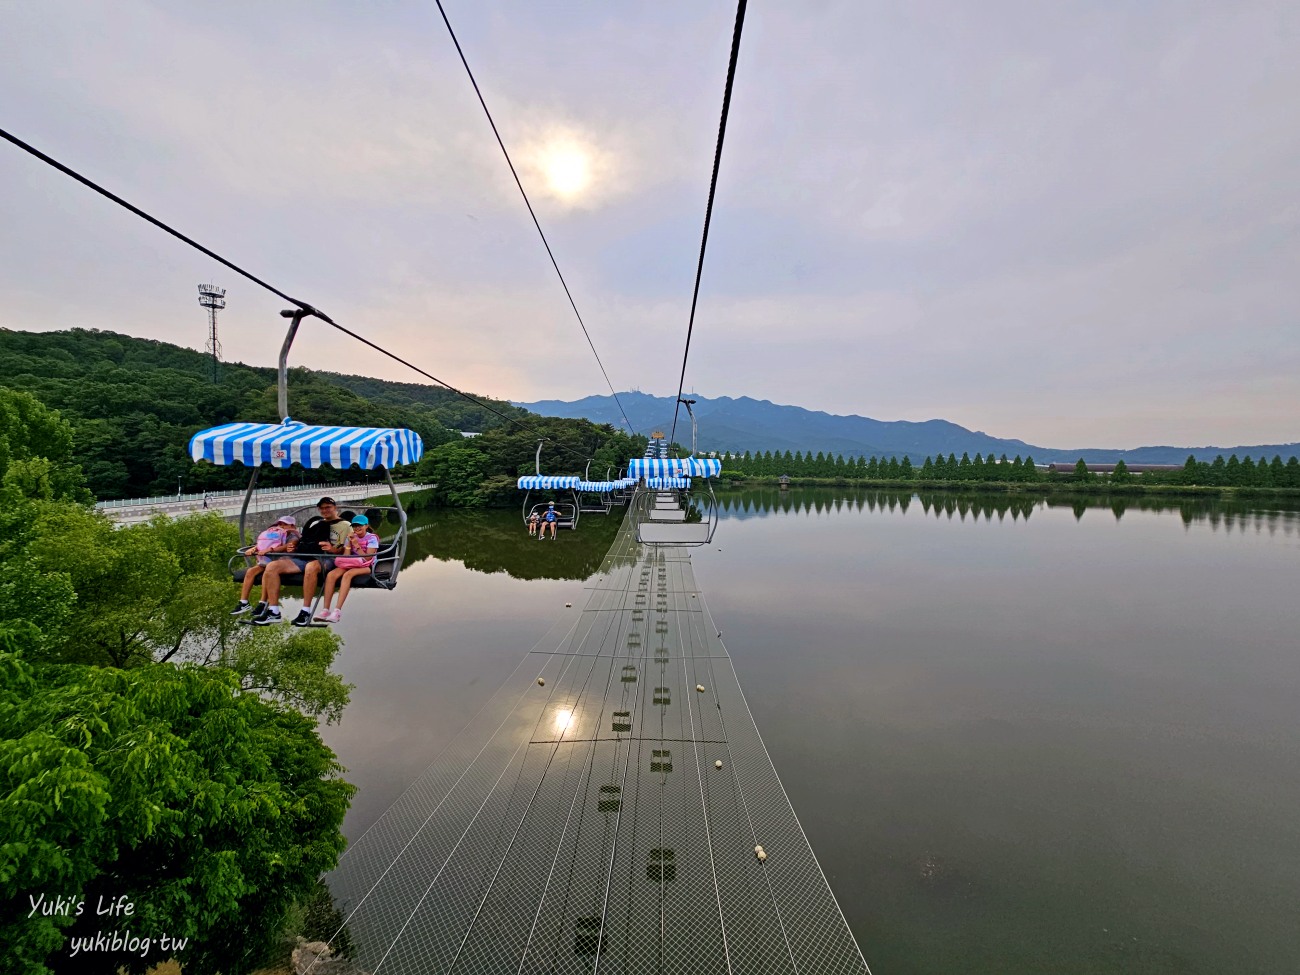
(1021, 737)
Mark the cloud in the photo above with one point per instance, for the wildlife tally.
(1074, 223)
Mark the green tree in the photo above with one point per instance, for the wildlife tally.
(159, 591)
(1121, 474)
(1248, 473)
(1081, 472)
(457, 467)
(36, 456)
(905, 471)
(1217, 474)
(1233, 475)
(210, 809)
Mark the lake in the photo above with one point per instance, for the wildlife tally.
(1021, 736)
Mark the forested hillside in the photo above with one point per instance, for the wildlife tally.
(134, 404)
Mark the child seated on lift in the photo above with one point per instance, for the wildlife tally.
(357, 560)
(280, 537)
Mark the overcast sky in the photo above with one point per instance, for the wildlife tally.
(1072, 223)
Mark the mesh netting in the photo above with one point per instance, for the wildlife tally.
(581, 824)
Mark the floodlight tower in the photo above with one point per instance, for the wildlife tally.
(213, 299)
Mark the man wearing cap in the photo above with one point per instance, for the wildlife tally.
(550, 518)
(322, 537)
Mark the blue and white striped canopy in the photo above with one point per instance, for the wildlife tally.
(674, 466)
(597, 487)
(291, 442)
(701, 466)
(667, 483)
(545, 482)
(650, 467)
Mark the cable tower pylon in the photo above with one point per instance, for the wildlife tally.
(213, 299)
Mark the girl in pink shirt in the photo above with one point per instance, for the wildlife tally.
(357, 560)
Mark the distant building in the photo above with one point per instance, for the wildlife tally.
(469, 433)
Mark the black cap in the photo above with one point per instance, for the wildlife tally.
(326, 500)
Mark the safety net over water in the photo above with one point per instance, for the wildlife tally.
(601, 814)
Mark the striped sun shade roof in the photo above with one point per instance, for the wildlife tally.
(674, 466)
(664, 483)
(597, 487)
(290, 442)
(545, 482)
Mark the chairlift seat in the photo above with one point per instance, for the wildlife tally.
(381, 577)
(666, 533)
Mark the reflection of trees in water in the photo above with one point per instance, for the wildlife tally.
(496, 540)
(1230, 515)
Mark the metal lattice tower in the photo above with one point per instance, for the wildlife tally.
(213, 299)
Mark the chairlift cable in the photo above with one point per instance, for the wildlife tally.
(49, 160)
(309, 309)
(708, 210)
(528, 203)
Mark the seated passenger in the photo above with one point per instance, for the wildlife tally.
(357, 560)
(279, 537)
(322, 537)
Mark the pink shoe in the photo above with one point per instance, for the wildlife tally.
(335, 615)
(323, 616)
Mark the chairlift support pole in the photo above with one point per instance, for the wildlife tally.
(297, 315)
(688, 403)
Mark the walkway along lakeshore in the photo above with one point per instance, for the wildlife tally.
(612, 808)
(264, 501)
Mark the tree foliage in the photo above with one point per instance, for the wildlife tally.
(133, 404)
(209, 808)
(153, 592)
(484, 470)
(1233, 472)
(150, 748)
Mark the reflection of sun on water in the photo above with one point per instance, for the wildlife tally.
(567, 168)
(563, 718)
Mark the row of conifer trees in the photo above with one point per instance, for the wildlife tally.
(1232, 472)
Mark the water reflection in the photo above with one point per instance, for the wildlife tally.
(1259, 516)
(497, 541)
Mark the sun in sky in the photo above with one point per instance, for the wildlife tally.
(568, 166)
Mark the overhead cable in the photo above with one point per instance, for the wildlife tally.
(315, 312)
(708, 210)
(536, 223)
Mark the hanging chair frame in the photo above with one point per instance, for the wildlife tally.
(391, 554)
(568, 511)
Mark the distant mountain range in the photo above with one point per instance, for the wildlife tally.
(728, 424)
